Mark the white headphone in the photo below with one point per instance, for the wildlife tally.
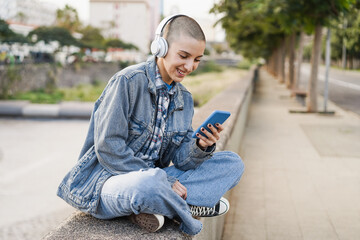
(159, 46)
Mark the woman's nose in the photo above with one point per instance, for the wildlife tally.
(189, 65)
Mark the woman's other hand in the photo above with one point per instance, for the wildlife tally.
(180, 189)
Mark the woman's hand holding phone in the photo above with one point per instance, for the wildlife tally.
(208, 134)
(211, 137)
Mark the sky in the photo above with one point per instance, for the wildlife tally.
(82, 6)
(196, 9)
(199, 10)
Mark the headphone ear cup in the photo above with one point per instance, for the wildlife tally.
(163, 47)
(155, 47)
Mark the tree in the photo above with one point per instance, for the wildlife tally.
(68, 18)
(9, 36)
(117, 43)
(21, 17)
(48, 34)
(250, 28)
(92, 38)
(315, 14)
(258, 28)
(5, 31)
(348, 37)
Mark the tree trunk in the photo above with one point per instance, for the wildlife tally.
(276, 62)
(273, 63)
(270, 67)
(299, 60)
(291, 50)
(281, 62)
(315, 60)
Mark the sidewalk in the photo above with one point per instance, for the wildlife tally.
(302, 172)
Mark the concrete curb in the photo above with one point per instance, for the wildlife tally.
(235, 99)
(26, 109)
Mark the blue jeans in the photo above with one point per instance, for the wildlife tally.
(148, 191)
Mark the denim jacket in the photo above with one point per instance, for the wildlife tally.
(122, 119)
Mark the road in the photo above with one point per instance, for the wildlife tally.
(344, 87)
(34, 156)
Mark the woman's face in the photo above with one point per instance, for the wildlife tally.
(183, 57)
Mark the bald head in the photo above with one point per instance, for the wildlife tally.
(183, 26)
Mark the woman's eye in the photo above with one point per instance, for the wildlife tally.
(197, 60)
(182, 56)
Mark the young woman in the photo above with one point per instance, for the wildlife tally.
(140, 124)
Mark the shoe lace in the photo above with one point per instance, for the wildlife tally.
(201, 211)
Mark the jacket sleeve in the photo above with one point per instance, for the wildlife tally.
(189, 155)
(111, 129)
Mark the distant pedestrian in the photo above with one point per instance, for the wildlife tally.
(140, 124)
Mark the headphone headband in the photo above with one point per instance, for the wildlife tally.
(163, 23)
(159, 46)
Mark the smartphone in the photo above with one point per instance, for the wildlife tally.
(216, 117)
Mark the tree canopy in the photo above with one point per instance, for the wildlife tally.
(48, 34)
(346, 31)
(9, 36)
(68, 18)
(255, 27)
(117, 43)
(92, 38)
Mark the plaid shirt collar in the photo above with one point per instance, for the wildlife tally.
(160, 84)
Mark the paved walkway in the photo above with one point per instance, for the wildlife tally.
(35, 155)
(302, 172)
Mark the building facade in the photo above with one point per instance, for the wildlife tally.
(132, 21)
(29, 12)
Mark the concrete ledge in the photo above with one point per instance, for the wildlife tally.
(235, 99)
(76, 110)
(26, 109)
(12, 108)
(41, 110)
(81, 226)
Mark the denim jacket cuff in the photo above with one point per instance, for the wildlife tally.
(209, 149)
(199, 153)
(171, 179)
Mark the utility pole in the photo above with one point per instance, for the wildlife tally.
(343, 45)
(327, 62)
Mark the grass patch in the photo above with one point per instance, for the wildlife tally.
(83, 93)
(39, 96)
(206, 67)
(245, 64)
(346, 69)
(205, 86)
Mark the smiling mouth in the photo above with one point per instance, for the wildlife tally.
(182, 73)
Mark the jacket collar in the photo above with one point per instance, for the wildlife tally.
(150, 73)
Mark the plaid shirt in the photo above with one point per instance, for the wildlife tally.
(150, 150)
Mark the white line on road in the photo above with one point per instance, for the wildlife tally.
(335, 81)
(340, 83)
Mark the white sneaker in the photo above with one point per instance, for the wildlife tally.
(219, 209)
(150, 222)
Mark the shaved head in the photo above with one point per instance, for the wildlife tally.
(183, 26)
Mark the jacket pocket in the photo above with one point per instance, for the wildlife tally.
(82, 185)
(137, 136)
(135, 130)
(173, 144)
